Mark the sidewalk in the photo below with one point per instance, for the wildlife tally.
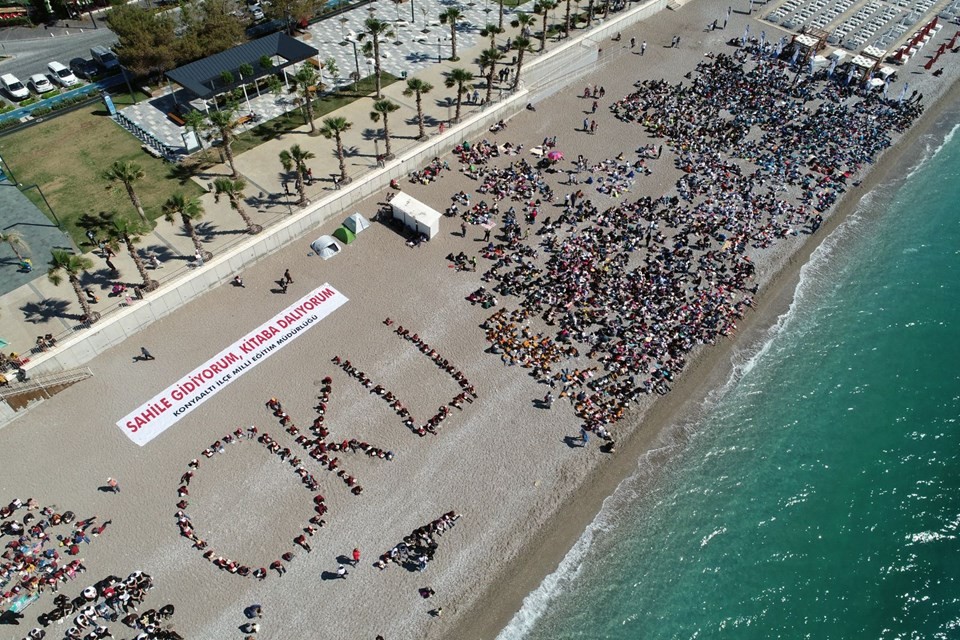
(39, 307)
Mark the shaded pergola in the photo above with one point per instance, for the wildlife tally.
(205, 78)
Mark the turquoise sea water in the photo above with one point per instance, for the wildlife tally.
(819, 495)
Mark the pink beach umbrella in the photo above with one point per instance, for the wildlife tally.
(555, 155)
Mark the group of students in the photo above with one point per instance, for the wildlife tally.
(319, 448)
(642, 283)
(418, 548)
(31, 562)
(105, 602)
(185, 523)
(432, 425)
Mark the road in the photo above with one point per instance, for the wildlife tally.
(32, 55)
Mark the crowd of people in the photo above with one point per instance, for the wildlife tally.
(318, 448)
(105, 602)
(31, 561)
(432, 425)
(764, 151)
(188, 530)
(418, 548)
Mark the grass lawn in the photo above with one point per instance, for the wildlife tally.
(66, 155)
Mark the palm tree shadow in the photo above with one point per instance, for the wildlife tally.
(419, 57)
(207, 231)
(46, 310)
(162, 252)
(372, 134)
(348, 152)
(183, 173)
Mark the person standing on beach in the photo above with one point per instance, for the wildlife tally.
(643, 47)
(356, 557)
(113, 486)
(342, 572)
(146, 355)
(287, 277)
(584, 436)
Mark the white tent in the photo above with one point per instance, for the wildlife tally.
(356, 223)
(325, 247)
(416, 215)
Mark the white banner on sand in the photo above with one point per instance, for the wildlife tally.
(154, 417)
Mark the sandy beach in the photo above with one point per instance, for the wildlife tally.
(501, 462)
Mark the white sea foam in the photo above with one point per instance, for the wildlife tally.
(538, 601)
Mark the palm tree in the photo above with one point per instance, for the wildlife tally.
(189, 211)
(383, 109)
(375, 30)
(306, 82)
(126, 173)
(335, 128)
(17, 242)
(451, 17)
(500, 22)
(544, 7)
(491, 31)
(233, 189)
(458, 78)
(590, 13)
(417, 87)
(524, 21)
(64, 262)
(566, 22)
(522, 45)
(224, 121)
(488, 60)
(295, 159)
(121, 229)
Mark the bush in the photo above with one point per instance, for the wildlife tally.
(28, 102)
(39, 112)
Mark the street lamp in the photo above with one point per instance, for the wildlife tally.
(356, 63)
(45, 201)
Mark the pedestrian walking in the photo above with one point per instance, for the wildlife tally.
(198, 256)
(283, 286)
(146, 355)
(584, 436)
(342, 572)
(112, 485)
(463, 229)
(593, 107)
(91, 296)
(586, 124)
(633, 42)
(238, 282)
(287, 277)
(356, 557)
(486, 235)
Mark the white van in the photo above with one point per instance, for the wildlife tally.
(62, 74)
(14, 88)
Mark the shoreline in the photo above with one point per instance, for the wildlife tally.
(542, 552)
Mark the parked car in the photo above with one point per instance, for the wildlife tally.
(257, 12)
(61, 74)
(14, 87)
(85, 69)
(40, 84)
(105, 58)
